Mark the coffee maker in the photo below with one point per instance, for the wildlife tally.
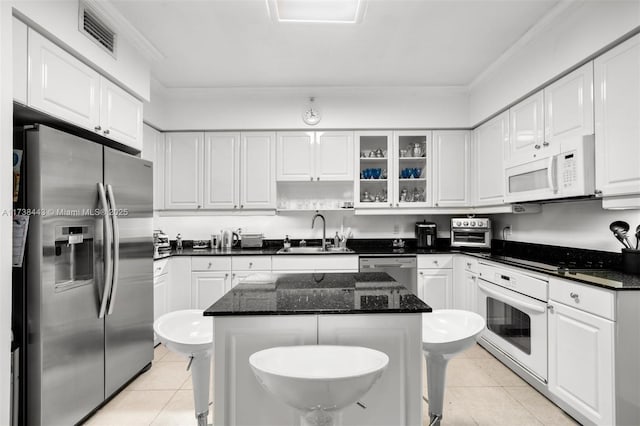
(426, 235)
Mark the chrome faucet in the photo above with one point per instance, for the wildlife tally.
(324, 230)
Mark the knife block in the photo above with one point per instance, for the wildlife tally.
(631, 261)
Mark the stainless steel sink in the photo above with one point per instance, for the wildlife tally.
(313, 250)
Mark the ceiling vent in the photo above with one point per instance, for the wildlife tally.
(93, 27)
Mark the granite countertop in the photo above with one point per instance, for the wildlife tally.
(321, 293)
(591, 267)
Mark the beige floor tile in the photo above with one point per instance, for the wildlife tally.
(132, 408)
(454, 413)
(175, 357)
(160, 352)
(475, 351)
(500, 373)
(492, 406)
(179, 411)
(162, 376)
(538, 405)
(465, 372)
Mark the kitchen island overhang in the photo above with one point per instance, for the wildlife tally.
(361, 309)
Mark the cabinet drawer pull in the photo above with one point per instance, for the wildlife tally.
(574, 296)
(545, 143)
(537, 146)
(97, 128)
(209, 265)
(250, 264)
(311, 178)
(550, 308)
(106, 132)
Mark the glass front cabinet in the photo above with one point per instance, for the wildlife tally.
(394, 169)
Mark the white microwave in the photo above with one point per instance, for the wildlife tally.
(568, 174)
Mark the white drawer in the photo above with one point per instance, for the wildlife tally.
(316, 262)
(435, 261)
(597, 301)
(251, 263)
(160, 267)
(210, 263)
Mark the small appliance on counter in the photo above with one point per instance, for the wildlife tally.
(471, 232)
(251, 240)
(426, 234)
(160, 242)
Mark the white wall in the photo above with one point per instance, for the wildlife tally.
(6, 197)
(59, 20)
(281, 108)
(580, 224)
(576, 33)
(297, 225)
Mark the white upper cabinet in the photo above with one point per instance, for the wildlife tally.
(221, 186)
(220, 170)
(120, 115)
(375, 150)
(491, 142)
(451, 154)
(62, 86)
(526, 132)
(153, 150)
(19, 61)
(308, 156)
(617, 123)
(295, 157)
(334, 156)
(257, 170)
(568, 107)
(183, 170)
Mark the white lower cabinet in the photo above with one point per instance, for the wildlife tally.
(581, 324)
(179, 289)
(210, 280)
(465, 278)
(160, 290)
(581, 368)
(435, 280)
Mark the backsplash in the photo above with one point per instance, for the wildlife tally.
(297, 225)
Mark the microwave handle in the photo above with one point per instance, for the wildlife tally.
(551, 172)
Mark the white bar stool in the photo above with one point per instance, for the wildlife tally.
(317, 380)
(189, 333)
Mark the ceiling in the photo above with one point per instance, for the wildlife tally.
(234, 43)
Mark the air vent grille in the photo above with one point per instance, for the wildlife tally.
(97, 31)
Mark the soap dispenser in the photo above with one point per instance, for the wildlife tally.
(179, 242)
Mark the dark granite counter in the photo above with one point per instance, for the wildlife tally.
(591, 267)
(605, 278)
(328, 293)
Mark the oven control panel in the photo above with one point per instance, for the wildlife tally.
(471, 222)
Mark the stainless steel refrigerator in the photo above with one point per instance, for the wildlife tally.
(89, 274)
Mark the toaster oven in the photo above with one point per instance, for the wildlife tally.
(471, 232)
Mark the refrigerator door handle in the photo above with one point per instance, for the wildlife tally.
(108, 260)
(116, 246)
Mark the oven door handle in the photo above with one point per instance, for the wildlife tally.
(512, 300)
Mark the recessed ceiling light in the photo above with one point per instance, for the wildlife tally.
(323, 11)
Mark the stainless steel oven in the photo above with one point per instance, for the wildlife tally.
(471, 232)
(514, 306)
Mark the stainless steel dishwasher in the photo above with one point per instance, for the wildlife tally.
(401, 268)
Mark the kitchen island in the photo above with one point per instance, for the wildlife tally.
(363, 309)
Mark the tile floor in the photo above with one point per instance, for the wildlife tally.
(479, 391)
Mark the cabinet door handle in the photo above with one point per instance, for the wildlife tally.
(226, 275)
(574, 296)
(435, 262)
(106, 132)
(550, 308)
(390, 204)
(545, 143)
(421, 273)
(235, 206)
(537, 146)
(397, 204)
(242, 206)
(318, 178)
(311, 178)
(250, 264)
(97, 128)
(209, 265)
(468, 265)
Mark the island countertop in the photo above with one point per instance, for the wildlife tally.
(318, 293)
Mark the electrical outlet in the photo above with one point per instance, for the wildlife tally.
(396, 229)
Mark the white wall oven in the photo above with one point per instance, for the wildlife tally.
(571, 173)
(514, 306)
